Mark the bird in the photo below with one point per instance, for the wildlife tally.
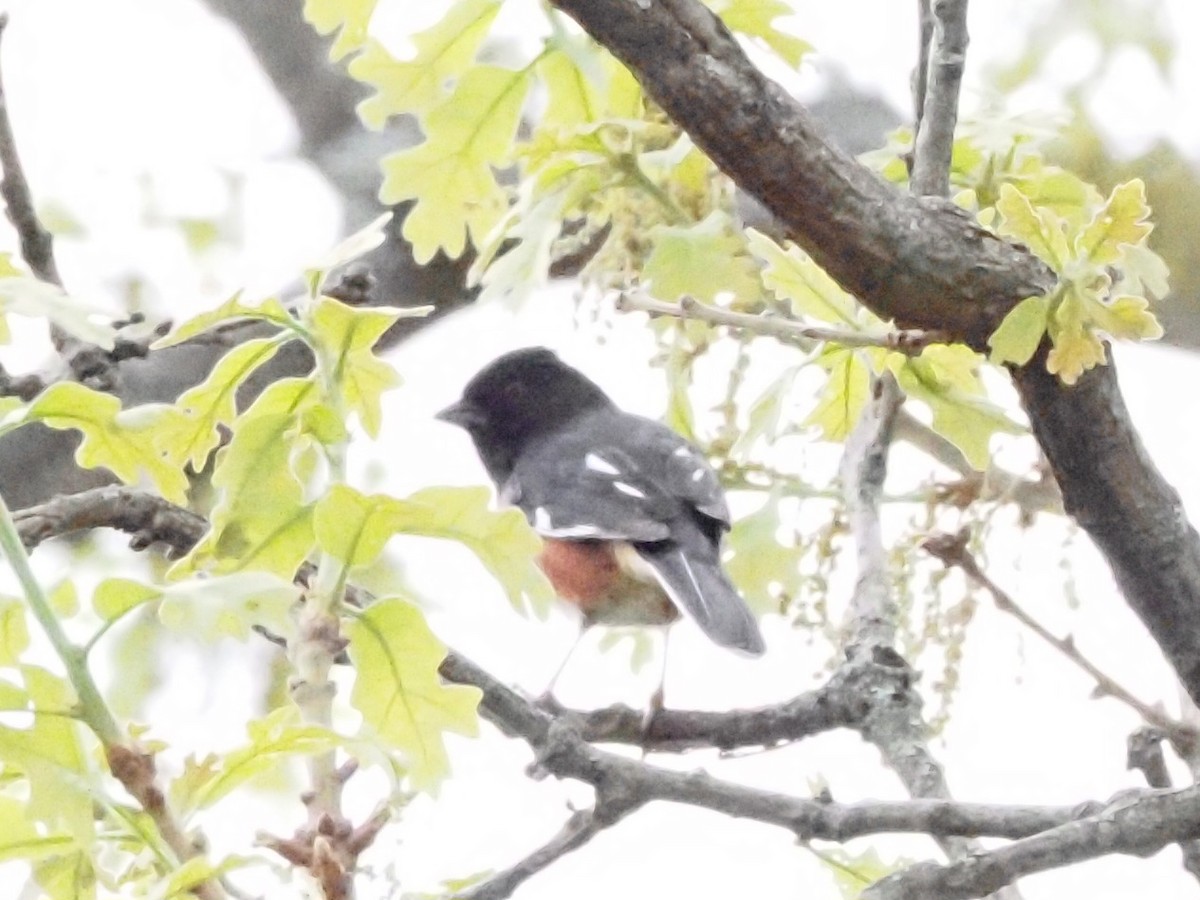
(631, 514)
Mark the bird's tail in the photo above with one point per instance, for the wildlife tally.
(696, 583)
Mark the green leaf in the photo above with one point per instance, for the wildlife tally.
(853, 873)
(232, 310)
(14, 633)
(363, 241)
(20, 838)
(761, 560)
(346, 336)
(1076, 347)
(51, 756)
(70, 876)
(701, 260)
(112, 439)
(398, 690)
(229, 605)
(945, 379)
(191, 436)
(1021, 331)
(261, 520)
(1120, 222)
(185, 877)
(503, 540)
(1038, 228)
(415, 85)
(1125, 316)
(451, 176)
(114, 597)
(794, 277)
(28, 296)
(843, 395)
(756, 18)
(273, 740)
(350, 18)
(353, 528)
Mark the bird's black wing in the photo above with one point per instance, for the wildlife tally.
(615, 476)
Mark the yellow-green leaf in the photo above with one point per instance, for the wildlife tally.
(503, 540)
(70, 876)
(261, 520)
(353, 527)
(20, 838)
(28, 296)
(112, 439)
(1076, 347)
(14, 632)
(51, 756)
(1126, 316)
(843, 395)
(190, 437)
(794, 277)
(1021, 331)
(701, 260)
(229, 605)
(451, 176)
(350, 18)
(114, 597)
(398, 690)
(232, 310)
(443, 52)
(1038, 228)
(273, 740)
(1121, 221)
(346, 335)
(756, 18)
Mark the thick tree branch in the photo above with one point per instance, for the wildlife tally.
(927, 265)
(1140, 825)
(923, 263)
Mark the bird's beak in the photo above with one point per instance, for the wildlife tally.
(460, 414)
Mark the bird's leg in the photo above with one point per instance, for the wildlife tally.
(657, 699)
(547, 699)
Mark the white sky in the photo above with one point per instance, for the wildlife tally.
(106, 94)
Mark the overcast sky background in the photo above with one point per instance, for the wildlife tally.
(106, 97)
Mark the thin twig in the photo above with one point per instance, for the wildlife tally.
(577, 831)
(37, 244)
(786, 330)
(952, 550)
(939, 113)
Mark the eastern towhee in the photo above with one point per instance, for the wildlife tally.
(631, 514)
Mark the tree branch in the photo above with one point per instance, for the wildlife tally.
(786, 330)
(578, 830)
(952, 551)
(1141, 825)
(37, 244)
(939, 110)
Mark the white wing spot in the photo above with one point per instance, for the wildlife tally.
(541, 520)
(629, 489)
(698, 475)
(600, 464)
(682, 451)
(687, 567)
